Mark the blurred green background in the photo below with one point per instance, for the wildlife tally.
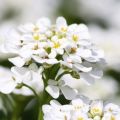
(103, 20)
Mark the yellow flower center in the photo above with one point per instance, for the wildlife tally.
(75, 37)
(96, 111)
(36, 37)
(64, 29)
(56, 45)
(112, 118)
(80, 118)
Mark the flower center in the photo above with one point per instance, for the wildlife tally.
(112, 118)
(95, 111)
(36, 37)
(73, 50)
(64, 29)
(75, 37)
(36, 47)
(56, 45)
(80, 118)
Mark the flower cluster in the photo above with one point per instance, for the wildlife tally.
(57, 49)
(43, 54)
(80, 110)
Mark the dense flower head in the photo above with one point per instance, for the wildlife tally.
(79, 110)
(57, 48)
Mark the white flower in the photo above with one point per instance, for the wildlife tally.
(12, 42)
(41, 26)
(96, 108)
(56, 111)
(7, 84)
(12, 79)
(76, 33)
(80, 105)
(57, 46)
(79, 116)
(73, 111)
(109, 116)
(12, 82)
(54, 88)
(61, 25)
(112, 108)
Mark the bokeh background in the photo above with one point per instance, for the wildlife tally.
(103, 20)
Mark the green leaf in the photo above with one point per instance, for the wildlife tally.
(75, 74)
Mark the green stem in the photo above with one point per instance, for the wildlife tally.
(40, 115)
(32, 91)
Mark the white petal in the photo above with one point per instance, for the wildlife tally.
(96, 73)
(52, 82)
(44, 21)
(19, 71)
(77, 102)
(26, 52)
(91, 59)
(54, 103)
(85, 53)
(84, 43)
(53, 91)
(87, 78)
(83, 31)
(35, 82)
(26, 28)
(82, 68)
(7, 86)
(33, 67)
(68, 92)
(61, 21)
(43, 24)
(52, 61)
(60, 51)
(52, 54)
(75, 59)
(21, 74)
(38, 59)
(46, 108)
(17, 61)
(27, 38)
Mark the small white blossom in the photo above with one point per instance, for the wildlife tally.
(54, 88)
(12, 82)
(79, 110)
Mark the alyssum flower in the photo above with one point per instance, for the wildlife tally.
(60, 43)
(43, 54)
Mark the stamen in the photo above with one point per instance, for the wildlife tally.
(36, 37)
(75, 37)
